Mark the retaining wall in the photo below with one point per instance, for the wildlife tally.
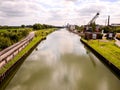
(13, 69)
(112, 67)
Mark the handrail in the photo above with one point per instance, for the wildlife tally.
(10, 50)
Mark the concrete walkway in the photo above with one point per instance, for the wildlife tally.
(9, 53)
(117, 42)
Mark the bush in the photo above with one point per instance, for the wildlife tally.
(4, 42)
(9, 37)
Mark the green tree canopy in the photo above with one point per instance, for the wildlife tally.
(23, 26)
(37, 26)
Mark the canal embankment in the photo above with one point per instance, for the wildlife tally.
(62, 62)
(107, 52)
(9, 70)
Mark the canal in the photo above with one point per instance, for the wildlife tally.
(61, 62)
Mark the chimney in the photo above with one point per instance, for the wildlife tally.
(108, 20)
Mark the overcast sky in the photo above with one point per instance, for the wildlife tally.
(57, 12)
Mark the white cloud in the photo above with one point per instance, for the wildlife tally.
(17, 12)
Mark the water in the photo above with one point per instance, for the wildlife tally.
(63, 63)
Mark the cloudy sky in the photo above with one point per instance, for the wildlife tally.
(57, 12)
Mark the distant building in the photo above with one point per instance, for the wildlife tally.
(71, 27)
(93, 35)
(115, 24)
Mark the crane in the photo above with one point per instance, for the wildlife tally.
(93, 19)
(88, 27)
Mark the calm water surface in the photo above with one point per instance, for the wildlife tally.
(63, 63)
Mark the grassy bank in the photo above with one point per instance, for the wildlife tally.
(107, 49)
(40, 35)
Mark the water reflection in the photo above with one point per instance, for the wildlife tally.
(62, 63)
(57, 44)
(61, 42)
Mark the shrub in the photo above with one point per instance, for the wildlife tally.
(9, 37)
(4, 42)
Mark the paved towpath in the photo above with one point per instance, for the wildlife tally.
(117, 42)
(10, 50)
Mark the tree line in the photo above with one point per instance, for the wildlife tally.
(36, 26)
(12, 34)
(39, 26)
(9, 37)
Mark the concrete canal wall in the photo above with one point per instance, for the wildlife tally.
(13, 69)
(112, 67)
(9, 53)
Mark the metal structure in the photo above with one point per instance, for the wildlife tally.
(88, 27)
(93, 19)
(91, 30)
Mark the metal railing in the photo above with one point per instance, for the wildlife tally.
(8, 53)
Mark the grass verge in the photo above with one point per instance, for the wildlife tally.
(39, 35)
(107, 49)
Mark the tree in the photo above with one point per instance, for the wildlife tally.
(107, 29)
(23, 26)
(37, 26)
(79, 28)
(93, 26)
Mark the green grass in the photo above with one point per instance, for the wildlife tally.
(108, 49)
(40, 34)
(14, 29)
